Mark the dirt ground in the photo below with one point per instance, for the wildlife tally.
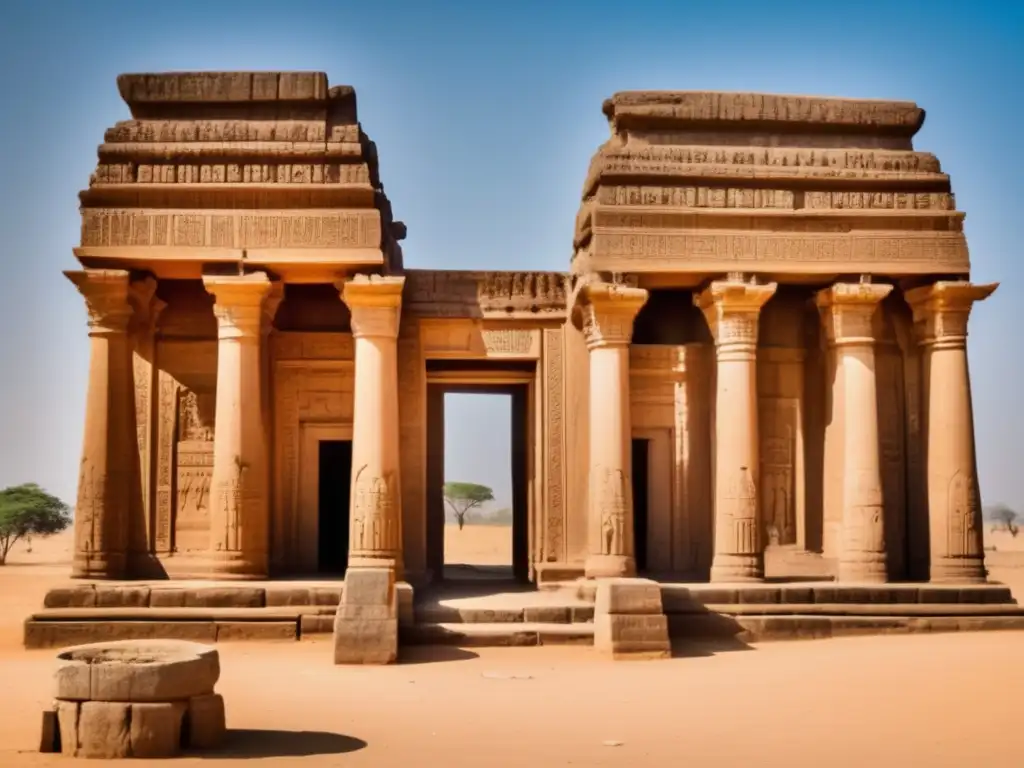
(943, 700)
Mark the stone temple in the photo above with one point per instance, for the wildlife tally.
(756, 356)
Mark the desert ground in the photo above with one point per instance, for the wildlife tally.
(942, 700)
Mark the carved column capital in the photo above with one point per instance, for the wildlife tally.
(732, 309)
(271, 303)
(941, 310)
(147, 307)
(375, 303)
(106, 299)
(847, 311)
(608, 311)
(238, 303)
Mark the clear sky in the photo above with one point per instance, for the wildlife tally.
(485, 115)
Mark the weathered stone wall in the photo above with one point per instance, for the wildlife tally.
(707, 182)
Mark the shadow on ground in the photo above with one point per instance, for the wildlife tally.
(269, 743)
(687, 648)
(429, 654)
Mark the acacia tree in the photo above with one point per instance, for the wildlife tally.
(1005, 519)
(28, 510)
(465, 497)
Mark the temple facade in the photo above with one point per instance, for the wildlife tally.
(757, 355)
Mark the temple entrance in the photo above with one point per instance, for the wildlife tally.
(494, 542)
(333, 505)
(641, 451)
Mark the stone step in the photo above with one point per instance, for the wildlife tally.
(497, 634)
(542, 614)
(851, 609)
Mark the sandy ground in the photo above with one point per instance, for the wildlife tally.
(944, 700)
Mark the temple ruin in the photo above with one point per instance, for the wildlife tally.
(758, 353)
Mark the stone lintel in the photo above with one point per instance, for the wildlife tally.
(106, 293)
(941, 309)
(848, 309)
(375, 302)
(743, 111)
(608, 311)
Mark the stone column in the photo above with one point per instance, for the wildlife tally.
(239, 509)
(847, 310)
(941, 312)
(271, 303)
(108, 450)
(147, 309)
(732, 308)
(375, 508)
(608, 313)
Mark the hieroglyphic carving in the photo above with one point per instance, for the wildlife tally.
(779, 422)
(508, 341)
(89, 530)
(554, 529)
(374, 527)
(643, 218)
(484, 294)
(963, 516)
(843, 158)
(229, 498)
(519, 291)
(194, 475)
(696, 197)
(167, 419)
(612, 493)
(121, 227)
(926, 248)
(738, 519)
(920, 201)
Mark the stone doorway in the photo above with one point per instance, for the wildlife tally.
(325, 482)
(518, 385)
(333, 505)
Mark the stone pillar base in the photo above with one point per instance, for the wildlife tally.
(366, 626)
(629, 623)
(965, 570)
(609, 566)
(729, 568)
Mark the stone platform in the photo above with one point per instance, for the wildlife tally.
(495, 614)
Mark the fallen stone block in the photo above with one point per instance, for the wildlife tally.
(205, 724)
(156, 729)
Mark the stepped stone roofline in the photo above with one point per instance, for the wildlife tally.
(145, 90)
(743, 111)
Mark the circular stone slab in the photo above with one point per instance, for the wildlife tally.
(137, 670)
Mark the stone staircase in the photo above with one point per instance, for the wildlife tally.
(499, 615)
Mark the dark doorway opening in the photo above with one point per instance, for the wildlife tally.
(640, 471)
(333, 512)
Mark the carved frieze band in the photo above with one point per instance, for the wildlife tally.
(778, 199)
(468, 339)
(230, 229)
(927, 248)
(554, 373)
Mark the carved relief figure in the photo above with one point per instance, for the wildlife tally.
(963, 516)
(613, 495)
(778, 451)
(191, 424)
(373, 512)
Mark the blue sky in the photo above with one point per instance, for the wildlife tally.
(486, 115)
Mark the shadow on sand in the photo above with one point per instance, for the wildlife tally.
(242, 743)
(430, 654)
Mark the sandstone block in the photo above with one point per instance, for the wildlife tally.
(137, 670)
(314, 624)
(167, 598)
(627, 596)
(67, 724)
(280, 596)
(71, 597)
(225, 597)
(368, 586)
(365, 641)
(406, 609)
(156, 729)
(256, 630)
(325, 595)
(205, 723)
(103, 730)
(122, 597)
(547, 614)
(626, 636)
